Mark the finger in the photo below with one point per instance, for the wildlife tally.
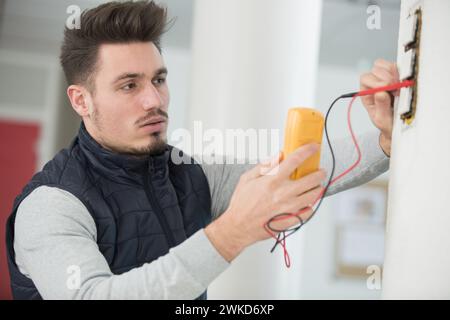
(383, 75)
(262, 168)
(299, 204)
(307, 199)
(296, 158)
(368, 81)
(289, 220)
(389, 66)
(382, 100)
(302, 185)
(306, 214)
(392, 69)
(388, 78)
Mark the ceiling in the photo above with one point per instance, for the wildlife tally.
(345, 39)
(38, 23)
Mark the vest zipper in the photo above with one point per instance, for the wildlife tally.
(158, 210)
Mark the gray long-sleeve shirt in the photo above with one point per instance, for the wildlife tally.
(55, 237)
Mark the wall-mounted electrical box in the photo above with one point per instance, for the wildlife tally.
(409, 65)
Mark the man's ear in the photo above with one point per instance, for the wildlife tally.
(80, 99)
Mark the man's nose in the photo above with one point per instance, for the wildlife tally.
(151, 98)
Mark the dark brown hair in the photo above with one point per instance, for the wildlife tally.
(113, 22)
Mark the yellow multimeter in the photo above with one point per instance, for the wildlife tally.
(304, 125)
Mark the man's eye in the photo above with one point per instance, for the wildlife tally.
(129, 86)
(159, 81)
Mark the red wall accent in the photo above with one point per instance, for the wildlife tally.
(18, 162)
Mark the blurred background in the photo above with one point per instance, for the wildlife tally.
(233, 64)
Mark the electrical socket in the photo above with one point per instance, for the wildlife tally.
(409, 68)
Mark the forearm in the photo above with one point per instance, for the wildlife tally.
(373, 163)
(55, 233)
(184, 273)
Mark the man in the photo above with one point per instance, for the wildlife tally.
(113, 217)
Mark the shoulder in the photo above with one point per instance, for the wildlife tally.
(50, 211)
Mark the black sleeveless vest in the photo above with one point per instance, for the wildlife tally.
(141, 207)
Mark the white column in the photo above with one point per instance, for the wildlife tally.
(417, 263)
(252, 61)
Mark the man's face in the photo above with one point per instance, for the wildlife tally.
(130, 102)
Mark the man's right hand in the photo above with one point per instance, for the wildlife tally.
(262, 193)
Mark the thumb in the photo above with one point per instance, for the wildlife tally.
(270, 167)
(263, 168)
(297, 158)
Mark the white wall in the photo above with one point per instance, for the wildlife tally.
(178, 62)
(418, 244)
